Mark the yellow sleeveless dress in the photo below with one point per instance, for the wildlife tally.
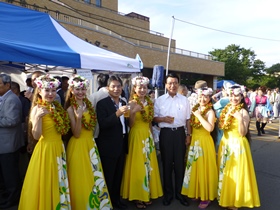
(45, 185)
(141, 178)
(237, 179)
(201, 174)
(88, 189)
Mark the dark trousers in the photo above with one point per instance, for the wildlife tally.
(9, 169)
(113, 172)
(172, 150)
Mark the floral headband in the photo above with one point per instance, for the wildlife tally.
(204, 91)
(46, 81)
(78, 82)
(236, 90)
(140, 80)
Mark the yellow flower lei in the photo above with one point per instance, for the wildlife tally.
(58, 114)
(224, 123)
(147, 117)
(92, 122)
(195, 122)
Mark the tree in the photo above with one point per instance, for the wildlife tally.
(240, 64)
(273, 73)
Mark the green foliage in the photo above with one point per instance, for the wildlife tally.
(273, 74)
(241, 65)
(274, 69)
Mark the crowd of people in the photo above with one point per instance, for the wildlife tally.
(93, 152)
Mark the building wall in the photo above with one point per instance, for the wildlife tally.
(151, 57)
(110, 19)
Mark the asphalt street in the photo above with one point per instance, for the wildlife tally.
(266, 157)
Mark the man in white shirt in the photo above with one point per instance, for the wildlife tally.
(275, 102)
(172, 113)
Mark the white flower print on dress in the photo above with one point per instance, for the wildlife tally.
(194, 153)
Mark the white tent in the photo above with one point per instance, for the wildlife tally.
(33, 37)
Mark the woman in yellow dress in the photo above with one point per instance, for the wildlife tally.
(46, 184)
(141, 179)
(237, 185)
(201, 174)
(88, 189)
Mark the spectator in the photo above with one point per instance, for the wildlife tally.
(10, 142)
(261, 109)
(183, 90)
(62, 89)
(152, 95)
(102, 92)
(276, 100)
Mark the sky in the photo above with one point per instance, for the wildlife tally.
(253, 18)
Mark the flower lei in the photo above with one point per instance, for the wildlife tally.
(146, 117)
(58, 114)
(196, 123)
(92, 122)
(226, 117)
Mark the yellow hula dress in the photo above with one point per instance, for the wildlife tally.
(237, 179)
(141, 178)
(45, 185)
(88, 189)
(201, 174)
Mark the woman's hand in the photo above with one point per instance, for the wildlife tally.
(134, 107)
(78, 112)
(197, 113)
(237, 115)
(41, 111)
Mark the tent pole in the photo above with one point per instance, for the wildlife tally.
(169, 45)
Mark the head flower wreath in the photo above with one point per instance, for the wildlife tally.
(140, 80)
(204, 91)
(78, 82)
(47, 81)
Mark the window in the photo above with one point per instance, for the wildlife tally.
(98, 3)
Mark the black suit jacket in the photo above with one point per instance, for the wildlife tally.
(111, 141)
(61, 95)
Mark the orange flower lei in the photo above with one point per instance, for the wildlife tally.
(195, 122)
(226, 117)
(92, 122)
(58, 114)
(146, 117)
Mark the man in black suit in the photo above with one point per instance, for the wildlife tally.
(112, 139)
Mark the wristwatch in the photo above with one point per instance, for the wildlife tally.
(188, 134)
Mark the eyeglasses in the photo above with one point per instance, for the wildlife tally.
(115, 86)
(172, 83)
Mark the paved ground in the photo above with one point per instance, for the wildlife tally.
(266, 155)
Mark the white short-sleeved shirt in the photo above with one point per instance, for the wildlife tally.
(177, 107)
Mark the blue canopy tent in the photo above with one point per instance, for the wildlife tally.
(33, 37)
(221, 83)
